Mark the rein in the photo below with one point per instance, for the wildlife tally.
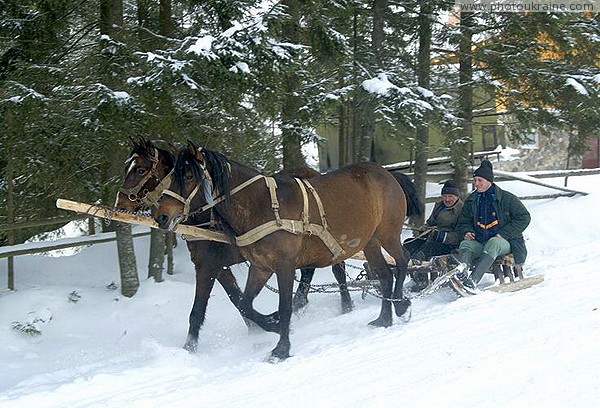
(216, 200)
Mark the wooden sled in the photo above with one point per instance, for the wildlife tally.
(135, 219)
(508, 278)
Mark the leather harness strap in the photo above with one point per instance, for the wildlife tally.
(272, 186)
(299, 227)
(153, 196)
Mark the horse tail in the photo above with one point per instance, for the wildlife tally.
(415, 206)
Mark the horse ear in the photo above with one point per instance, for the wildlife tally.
(143, 142)
(193, 149)
(131, 141)
(172, 149)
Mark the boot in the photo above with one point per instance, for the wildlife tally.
(485, 261)
(464, 256)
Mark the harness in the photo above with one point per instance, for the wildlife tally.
(297, 227)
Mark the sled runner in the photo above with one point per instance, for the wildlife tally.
(508, 278)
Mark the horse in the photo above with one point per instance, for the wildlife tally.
(281, 223)
(147, 173)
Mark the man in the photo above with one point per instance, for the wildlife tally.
(438, 235)
(492, 222)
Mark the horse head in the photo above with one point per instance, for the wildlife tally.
(147, 172)
(200, 175)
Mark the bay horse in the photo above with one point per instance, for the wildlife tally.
(281, 223)
(148, 172)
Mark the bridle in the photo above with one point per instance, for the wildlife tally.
(209, 195)
(146, 196)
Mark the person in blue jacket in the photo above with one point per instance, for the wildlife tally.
(491, 223)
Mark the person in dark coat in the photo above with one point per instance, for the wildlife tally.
(492, 222)
(438, 235)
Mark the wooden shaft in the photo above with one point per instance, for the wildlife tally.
(98, 211)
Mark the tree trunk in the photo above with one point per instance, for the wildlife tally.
(10, 219)
(91, 226)
(422, 132)
(143, 12)
(165, 18)
(143, 18)
(460, 148)
(369, 103)
(111, 16)
(342, 134)
(127, 263)
(291, 138)
(171, 242)
(156, 258)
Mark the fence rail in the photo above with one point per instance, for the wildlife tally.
(40, 247)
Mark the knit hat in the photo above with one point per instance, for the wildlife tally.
(485, 171)
(450, 187)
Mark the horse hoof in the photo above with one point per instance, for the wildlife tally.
(191, 346)
(379, 322)
(401, 306)
(299, 303)
(278, 355)
(407, 316)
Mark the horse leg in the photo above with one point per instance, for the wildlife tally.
(230, 285)
(301, 296)
(339, 271)
(234, 293)
(205, 281)
(379, 266)
(285, 282)
(257, 278)
(401, 256)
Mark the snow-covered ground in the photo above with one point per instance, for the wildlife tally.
(533, 348)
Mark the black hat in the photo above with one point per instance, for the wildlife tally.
(450, 187)
(485, 171)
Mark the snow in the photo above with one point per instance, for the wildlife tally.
(577, 86)
(240, 67)
(202, 46)
(381, 85)
(533, 348)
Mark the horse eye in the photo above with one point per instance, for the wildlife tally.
(141, 171)
(189, 177)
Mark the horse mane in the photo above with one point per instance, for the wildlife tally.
(414, 204)
(216, 164)
(142, 150)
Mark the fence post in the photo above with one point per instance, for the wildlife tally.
(171, 240)
(10, 219)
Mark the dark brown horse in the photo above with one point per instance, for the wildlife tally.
(359, 207)
(147, 174)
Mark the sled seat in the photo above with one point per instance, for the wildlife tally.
(505, 267)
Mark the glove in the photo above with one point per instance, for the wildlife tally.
(438, 236)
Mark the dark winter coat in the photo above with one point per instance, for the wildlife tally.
(445, 219)
(513, 218)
